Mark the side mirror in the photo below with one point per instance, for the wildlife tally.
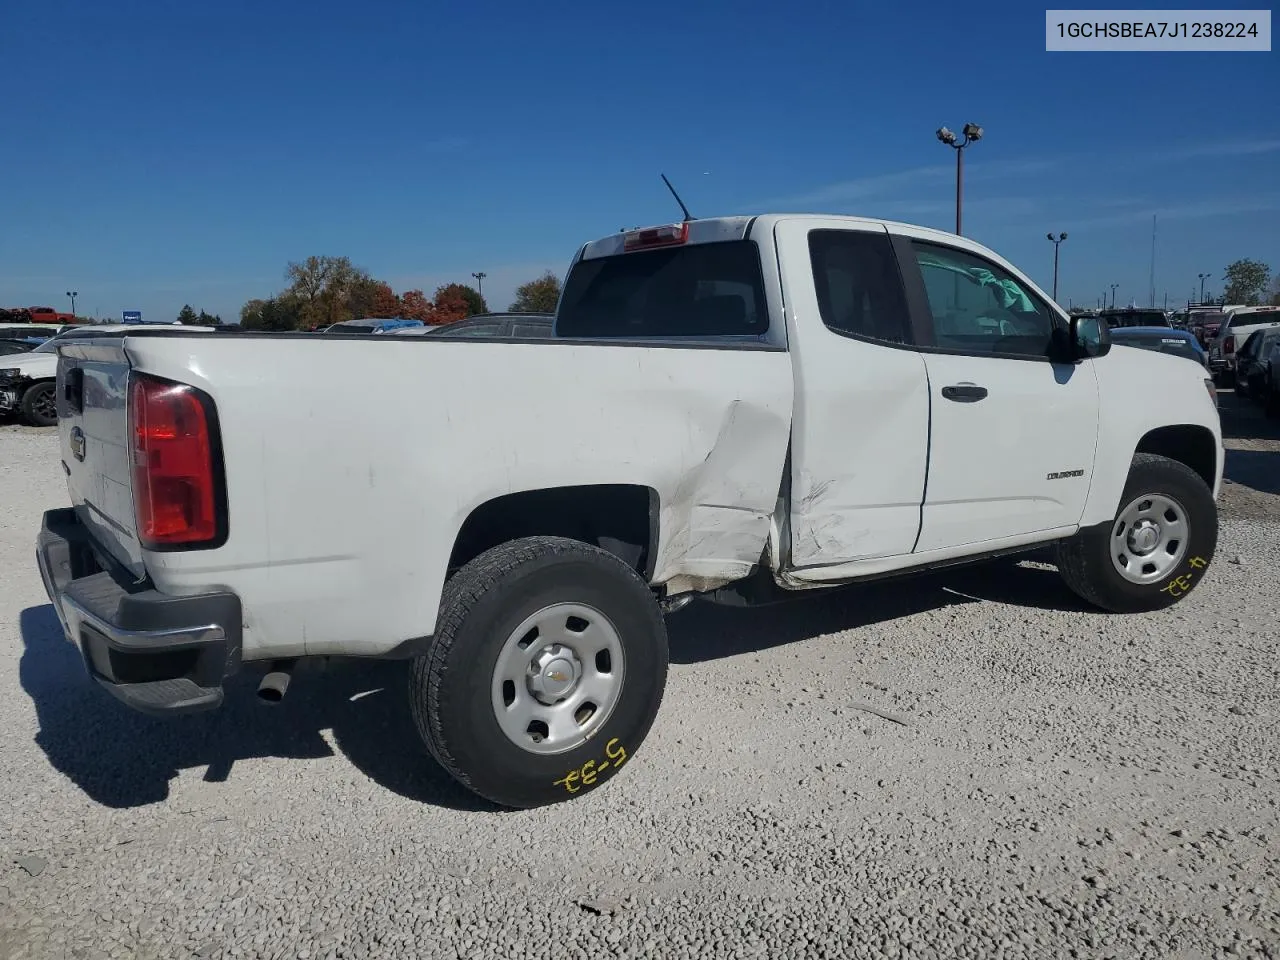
(1087, 337)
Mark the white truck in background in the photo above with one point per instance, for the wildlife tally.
(732, 408)
(27, 379)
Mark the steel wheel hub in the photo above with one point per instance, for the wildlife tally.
(1149, 539)
(554, 672)
(558, 678)
(1144, 536)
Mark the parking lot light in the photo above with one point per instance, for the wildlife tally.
(971, 133)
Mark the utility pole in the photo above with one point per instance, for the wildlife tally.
(971, 133)
(1056, 241)
(480, 282)
(73, 294)
(1203, 277)
(1113, 295)
(1152, 279)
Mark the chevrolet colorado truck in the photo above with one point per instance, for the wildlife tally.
(737, 408)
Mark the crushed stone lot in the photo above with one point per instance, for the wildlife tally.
(1067, 784)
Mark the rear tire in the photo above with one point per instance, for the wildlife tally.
(1156, 549)
(526, 633)
(39, 405)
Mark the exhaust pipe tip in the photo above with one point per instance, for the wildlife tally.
(276, 683)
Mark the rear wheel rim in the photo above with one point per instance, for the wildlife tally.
(558, 678)
(45, 406)
(1149, 538)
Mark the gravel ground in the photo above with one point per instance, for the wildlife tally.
(1067, 784)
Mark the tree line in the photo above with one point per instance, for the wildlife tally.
(327, 290)
(1249, 282)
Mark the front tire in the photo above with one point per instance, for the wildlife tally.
(545, 672)
(39, 405)
(1156, 549)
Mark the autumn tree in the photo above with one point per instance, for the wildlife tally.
(373, 298)
(323, 287)
(451, 303)
(187, 315)
(538, 296)
(414, 305)
(1246, 281)
(452, 293)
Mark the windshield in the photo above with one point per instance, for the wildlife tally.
(1137, 318)
(49, 346)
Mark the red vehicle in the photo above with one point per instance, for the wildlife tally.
(35, 315)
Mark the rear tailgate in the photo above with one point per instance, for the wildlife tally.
(93, 428)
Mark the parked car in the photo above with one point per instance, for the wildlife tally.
(8, 347)
(1238, 323)
(27, 380)
(1251, 359)
(1269, 384)
(1170, 340)
(1134, 317)
(35, 331)
(749, 407)
(512, 325)
(374, 325)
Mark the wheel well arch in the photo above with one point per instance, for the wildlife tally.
(1189, 444)
(620, 518)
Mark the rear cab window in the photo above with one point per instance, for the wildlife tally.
(859, 288)
(703, 291)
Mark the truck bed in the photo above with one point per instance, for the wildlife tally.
(349, 461)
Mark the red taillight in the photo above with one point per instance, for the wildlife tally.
(175, 494)
(1229, 345)
(668, 236)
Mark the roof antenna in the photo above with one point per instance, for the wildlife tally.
(687, 215)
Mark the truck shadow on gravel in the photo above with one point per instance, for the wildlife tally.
(122, 759)
(703, 631)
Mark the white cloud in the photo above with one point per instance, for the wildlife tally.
(1201, 209)
(898, 186)
(1236, 148)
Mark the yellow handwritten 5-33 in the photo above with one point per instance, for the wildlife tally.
(587, 774)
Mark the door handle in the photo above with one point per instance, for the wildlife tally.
(964, 393)
(73, 389)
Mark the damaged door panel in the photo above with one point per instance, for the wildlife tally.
(859, 451)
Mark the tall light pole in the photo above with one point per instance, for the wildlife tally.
(1056, 241)
(971, 133)
(1113, 295)
(480, 282)
(1203, 277)
(73, 294)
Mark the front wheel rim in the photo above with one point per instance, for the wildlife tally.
(558, 678)
(1149, 538)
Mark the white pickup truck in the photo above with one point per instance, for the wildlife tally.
(730, 407)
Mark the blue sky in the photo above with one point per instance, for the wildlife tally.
(163, 153)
